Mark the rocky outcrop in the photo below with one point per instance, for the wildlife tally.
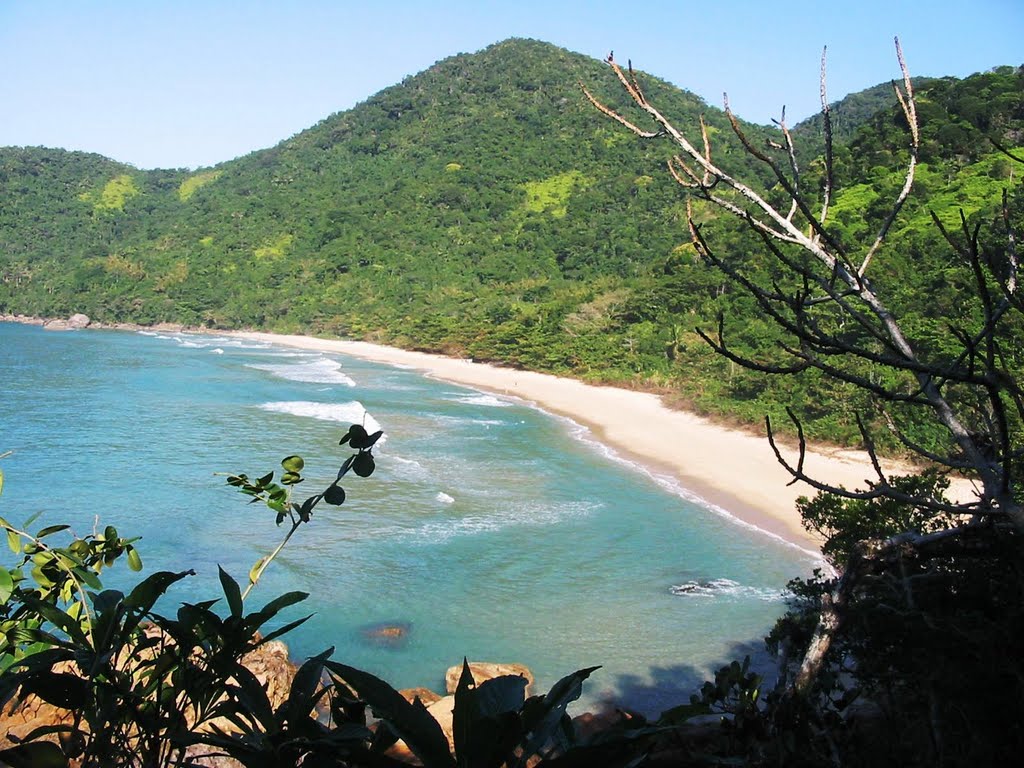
(425, 695)
(274, 670)
(269, 663)
(483, 670)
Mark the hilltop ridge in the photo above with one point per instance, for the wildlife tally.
(483, 208)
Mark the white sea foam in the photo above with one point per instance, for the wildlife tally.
(673, 486)
(726, 588)
(527, 516)
(480, 398)
(343, 413)
(319, 371)
(218, 351)
(444, 498)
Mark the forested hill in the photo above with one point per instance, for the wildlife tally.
(481, 208)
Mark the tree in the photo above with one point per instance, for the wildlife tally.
(835, 320)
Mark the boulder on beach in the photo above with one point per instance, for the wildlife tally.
(483, 670)
(74, 323)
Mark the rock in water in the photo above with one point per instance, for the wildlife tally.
(392, 635)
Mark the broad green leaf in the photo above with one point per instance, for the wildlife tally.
(88, 578)
(291, 478)
(134, 559)
(13, 541)
(293, 464)
(255, 570)
(6, 586)
(51, 529)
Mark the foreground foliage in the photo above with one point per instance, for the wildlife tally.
(912, 653)
(135, 687)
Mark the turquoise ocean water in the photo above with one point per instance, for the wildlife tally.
(491, 529)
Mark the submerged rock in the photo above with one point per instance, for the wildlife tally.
(389, 635)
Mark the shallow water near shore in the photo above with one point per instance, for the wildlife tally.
(489, 530)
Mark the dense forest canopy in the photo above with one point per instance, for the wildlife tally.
(482, 208)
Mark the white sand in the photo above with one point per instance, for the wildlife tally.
(732, 469)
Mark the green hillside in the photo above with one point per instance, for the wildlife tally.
(483, 208)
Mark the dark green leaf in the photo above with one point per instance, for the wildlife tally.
(356, 432)
(335, 495)
(51, 529)
(346, 467)
(306, 510)
(413, 724)
(148, 591)
(231, 592)
(363, 440)
(255, 620)
(88, 577)
(302, 696)
(284, 630)
(363, 464)
(38, 754)
(542, 717)
(60, 689)
(265, 479)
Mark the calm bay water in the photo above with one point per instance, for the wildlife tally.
(493, 530)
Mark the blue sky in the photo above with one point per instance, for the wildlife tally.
(190, 83)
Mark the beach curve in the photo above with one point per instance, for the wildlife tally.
(731, 469)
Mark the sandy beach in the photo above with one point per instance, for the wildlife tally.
(729, 468)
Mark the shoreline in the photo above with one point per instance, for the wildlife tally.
(730, 471)
(701, 455)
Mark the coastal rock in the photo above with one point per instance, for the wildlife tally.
(425, 695)
(269, 663)
(483, 670)
(442, 710)
(78, 320)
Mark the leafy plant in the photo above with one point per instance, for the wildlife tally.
(278, 496)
